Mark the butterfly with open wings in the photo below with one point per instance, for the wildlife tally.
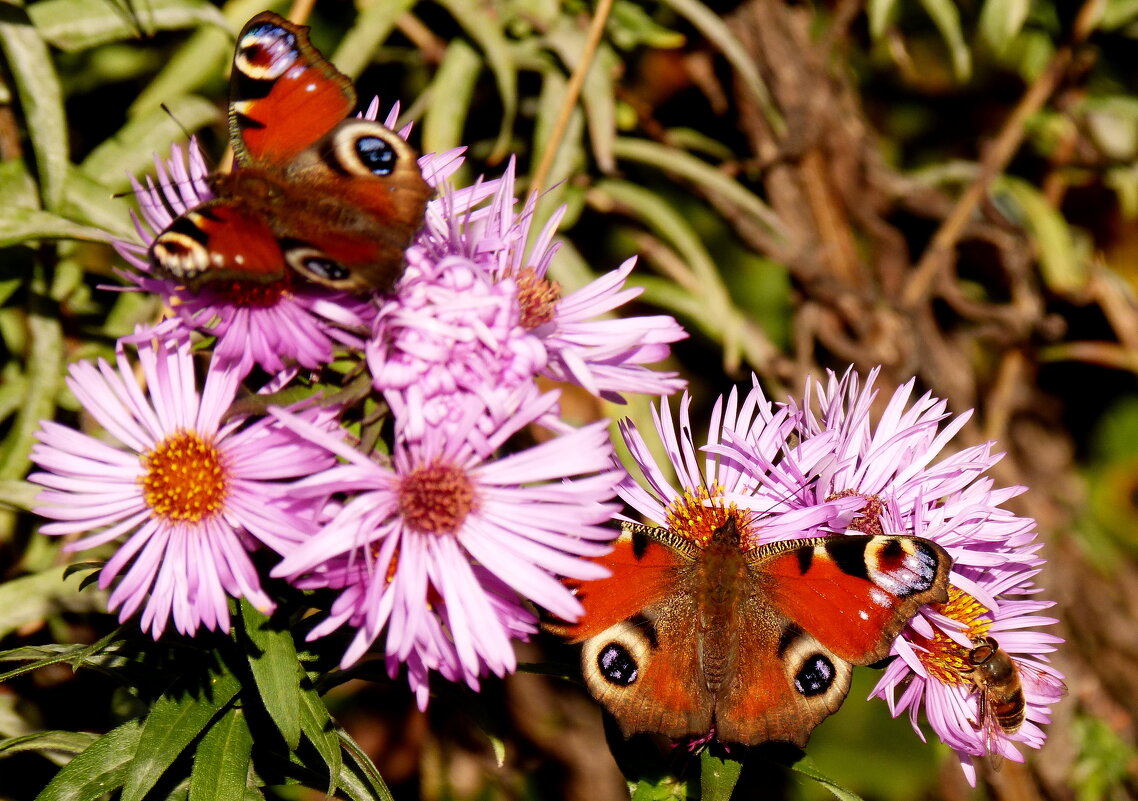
(314, 189)
(748, 644)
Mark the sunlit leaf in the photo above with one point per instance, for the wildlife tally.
(79, 24)
(41, 100)
(101, 767)
(946, 17)
(177, 718)
(221, 760)
(273, 661)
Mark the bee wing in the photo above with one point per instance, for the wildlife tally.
(1040, 683)
(989, 726)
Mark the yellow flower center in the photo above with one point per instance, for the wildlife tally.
(185, 478)
(689, 517)
(436, 499)
(947, 660)
(537, 297)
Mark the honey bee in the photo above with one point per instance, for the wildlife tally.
(1000, 681)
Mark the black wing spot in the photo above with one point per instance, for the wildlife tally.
(805, 559)
(815, 676)
(640, 543)
(617, 665)
(848, 554)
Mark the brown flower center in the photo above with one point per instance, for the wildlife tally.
(436, 499)
(868, 520)
(537, 297)
(185, 478)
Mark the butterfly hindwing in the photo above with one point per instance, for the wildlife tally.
(216, 241)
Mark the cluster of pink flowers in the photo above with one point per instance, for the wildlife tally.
(437, 545)
(825, 469)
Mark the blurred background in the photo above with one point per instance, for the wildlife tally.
(946, 189)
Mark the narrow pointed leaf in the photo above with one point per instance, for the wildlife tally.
(276, 671)
(221, 760)
(365, 767)
(67, 742)
(101, 767)
(320, 729)
(175, 721)
(41, 100)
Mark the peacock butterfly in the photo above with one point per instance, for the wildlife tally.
(748, 645)
(331, 196)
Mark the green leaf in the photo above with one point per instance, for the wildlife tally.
(443, 123)
(717, 777)
(699, 172)
(881, 13)
(275, 670)
(177, 718)
(372, 26)
(222, 760)
(483, 26)
(1059, 261)
(68, 742)
(80, 24)
(364, 765)
(101, 768)
(597, 93)
(320, 729)
(30, 599)
(203, 58)
(1001, 21)
(41, 99)
(806, 767)
(93, 204)
(43, 371)
(95, 655)
(946, 16)
(713, 26)
(22, 226)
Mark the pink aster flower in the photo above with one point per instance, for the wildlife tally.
(475, 313)
(770, 481)
(274, 325)
(437, 548)
(911, 488)
(185, 494)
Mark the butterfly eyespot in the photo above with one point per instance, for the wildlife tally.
(265, 52)
(315, 264)
(367, 148)
(815, 676)
(376, 154)
(179, 255)
(617, 665)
